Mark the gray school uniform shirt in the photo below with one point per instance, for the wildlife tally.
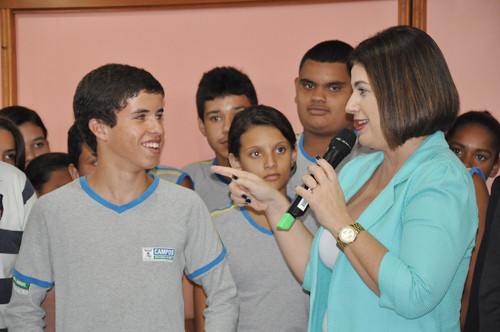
(212, 188)
(119, 268)
(170, 174)
(271, 298)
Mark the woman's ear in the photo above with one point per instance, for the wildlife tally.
(234, 162)
(98, 128)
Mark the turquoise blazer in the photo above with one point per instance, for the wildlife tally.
(427, 218)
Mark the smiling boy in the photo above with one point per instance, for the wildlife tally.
(117, 242)
(222, 93)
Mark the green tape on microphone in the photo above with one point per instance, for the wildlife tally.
(286, 221)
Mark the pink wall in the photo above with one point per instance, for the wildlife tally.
(468, 33)
(56, 50)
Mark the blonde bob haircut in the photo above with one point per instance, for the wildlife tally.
(409, 76)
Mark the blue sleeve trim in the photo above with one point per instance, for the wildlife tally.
(40, 283)
(477, 170)
(182, 177)
(209, 266)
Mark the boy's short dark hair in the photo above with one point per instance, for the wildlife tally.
(21, 115)
(7, 124)
(258, 115)
(41, 167)
(222, 82)
(75, 145)
(329, 51)
(104, 91)
(480, 118)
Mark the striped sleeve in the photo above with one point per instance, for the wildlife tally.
(16, 199)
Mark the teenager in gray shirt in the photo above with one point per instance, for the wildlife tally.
(117, 242)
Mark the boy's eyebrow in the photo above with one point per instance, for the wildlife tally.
(239, 107)
(484, 151)
(140, 111)
(143, 110)
(305, 80)
(340, 83)
(212, 112)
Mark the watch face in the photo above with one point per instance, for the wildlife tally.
(347, 234)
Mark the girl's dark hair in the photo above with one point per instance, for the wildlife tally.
(21, 115)
(8, 125)
(258, 115)
(480, 118)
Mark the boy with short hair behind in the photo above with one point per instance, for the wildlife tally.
(117, 242)
(222, 93)
(83, 160)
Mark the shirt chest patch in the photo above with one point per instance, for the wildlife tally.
(162, 255)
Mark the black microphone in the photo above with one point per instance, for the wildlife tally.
(340, 146)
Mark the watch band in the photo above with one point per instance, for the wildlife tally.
(357, 228)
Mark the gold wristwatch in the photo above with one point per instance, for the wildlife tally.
(348, 234)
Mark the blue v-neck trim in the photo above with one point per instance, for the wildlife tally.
(303, 150)
(254, 224)
(304, 153)
(119, 208)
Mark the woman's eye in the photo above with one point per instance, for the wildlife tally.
(481, 157)
(215, 118)
(281, 150)
(455, 150)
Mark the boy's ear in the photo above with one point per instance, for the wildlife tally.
(201, 125)
(98, 128)
(494, 170)
(294, 157)
(296, 83)
(234, 162)
(73, 171)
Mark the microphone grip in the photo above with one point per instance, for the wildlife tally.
(336, 152)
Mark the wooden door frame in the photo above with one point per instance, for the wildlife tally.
(410, 12)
